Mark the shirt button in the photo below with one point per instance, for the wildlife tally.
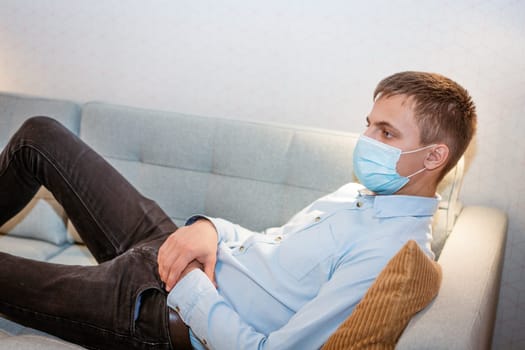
(177, 309)
(359, 204)
(317, 219)
(278, 238)
(241, 248)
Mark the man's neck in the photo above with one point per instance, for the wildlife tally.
(418, 189)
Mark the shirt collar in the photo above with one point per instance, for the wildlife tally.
(401, 205)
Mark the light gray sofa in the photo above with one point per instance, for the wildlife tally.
(257, 175)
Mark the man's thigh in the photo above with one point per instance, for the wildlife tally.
(119, 303)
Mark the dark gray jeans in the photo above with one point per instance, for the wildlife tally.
(94, 306)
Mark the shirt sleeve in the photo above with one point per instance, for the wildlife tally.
(218, 326)
(226, 230)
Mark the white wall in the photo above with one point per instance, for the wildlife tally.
(307, 62)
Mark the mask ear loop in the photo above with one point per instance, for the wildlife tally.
(417, 172)
(414, 151)
(419, 149)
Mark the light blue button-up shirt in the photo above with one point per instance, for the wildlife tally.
(291, 287)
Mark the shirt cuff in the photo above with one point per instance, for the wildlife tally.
(192, 298)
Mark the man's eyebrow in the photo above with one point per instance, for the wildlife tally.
(380, 123)
(383, 124)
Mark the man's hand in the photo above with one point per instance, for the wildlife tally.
(195, 242)
(191, 266)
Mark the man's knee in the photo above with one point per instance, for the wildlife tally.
(39, 123)
(40, 129)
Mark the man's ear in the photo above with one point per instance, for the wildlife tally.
(437, 157)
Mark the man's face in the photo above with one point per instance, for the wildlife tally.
(392, 121)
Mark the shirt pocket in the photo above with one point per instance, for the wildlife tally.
(301, 252)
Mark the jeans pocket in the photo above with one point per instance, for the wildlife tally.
(150, 315)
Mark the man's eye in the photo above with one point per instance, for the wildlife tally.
(387, 134)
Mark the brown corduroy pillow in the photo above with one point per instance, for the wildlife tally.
(405, 286)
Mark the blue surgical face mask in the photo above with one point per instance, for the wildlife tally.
(375, 165)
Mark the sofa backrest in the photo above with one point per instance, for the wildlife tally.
(258, 175)
(255, 174)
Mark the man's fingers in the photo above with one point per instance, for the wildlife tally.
(174, 268)
(171, 262)
(165, 258)
(173, 274)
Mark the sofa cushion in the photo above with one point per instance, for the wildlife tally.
(406, 285)
(15, 336)
(75, 254)
(28, 248)
(42, 218)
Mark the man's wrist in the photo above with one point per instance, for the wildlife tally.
(191, 266)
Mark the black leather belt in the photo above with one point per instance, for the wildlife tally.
(179, 332)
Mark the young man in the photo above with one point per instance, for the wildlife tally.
(288, 288)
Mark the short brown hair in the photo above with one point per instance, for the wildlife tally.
(444, 111)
